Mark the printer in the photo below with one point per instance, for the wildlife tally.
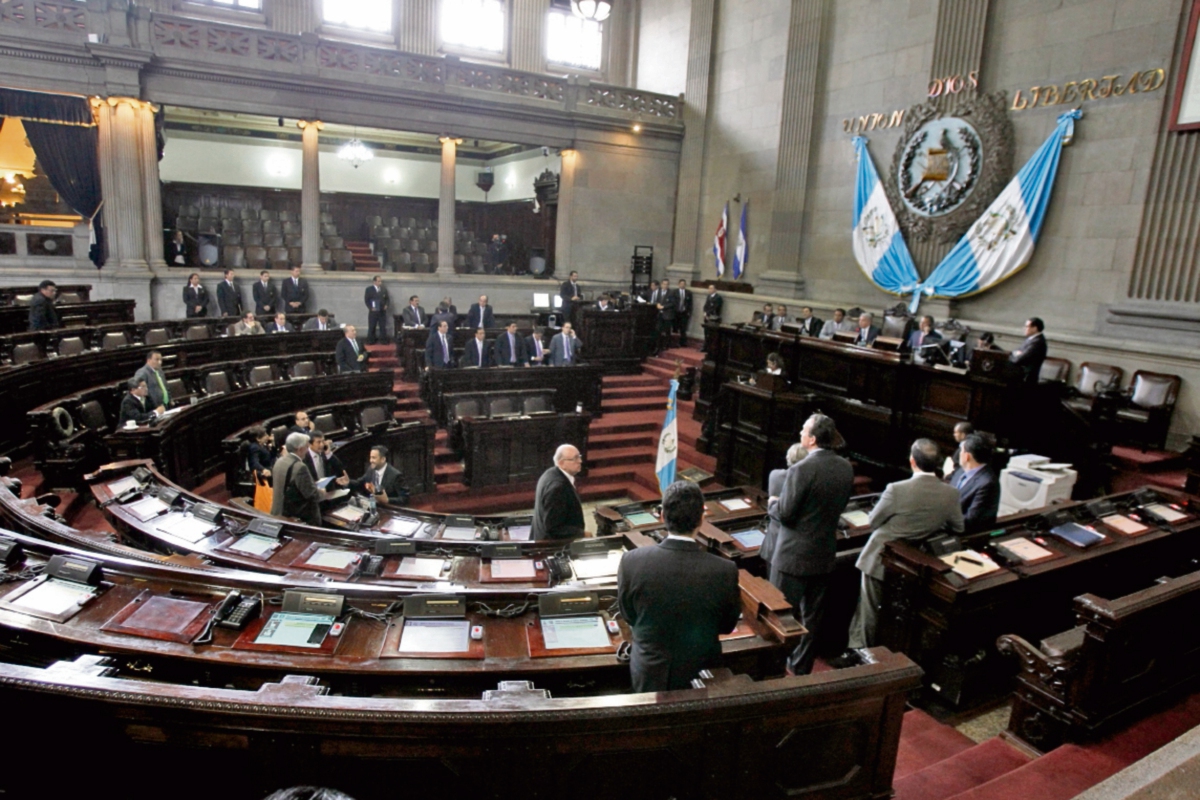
(1031, 482)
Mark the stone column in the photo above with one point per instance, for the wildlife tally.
(310, 195)
(416, 26)
(566, 200)
(691, 158)
(528, 35)
(151, 188)
(121, 181)
(445, 256)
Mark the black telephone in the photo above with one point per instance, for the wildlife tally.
(559, 568)
(236, 611)
(372, 566)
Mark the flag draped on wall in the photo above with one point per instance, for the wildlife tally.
(668, 444)
(719, 242)
(998, 245)
(742, 254)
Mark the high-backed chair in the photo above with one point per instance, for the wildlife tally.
(157, 336)
(1054, 370)
(267, 215)
(256, 257)
(535, 404)
(249, 214)
(1146, 416)
(69, 298)
(279, 434)
(26, 353)
(374, 417)
(216, 383)
(178, 390)
(326, 423)
(467, 407)
(112, 340)
(501, 406)
(343, 260)
(272, 240)
(195, 333)
(262, 374)
(234, 256)
(252, 226)
(71, 346)
(232, 239)
(278, 256)
(286, 216)
(304, 369)
(91, 414)
(1092, 380)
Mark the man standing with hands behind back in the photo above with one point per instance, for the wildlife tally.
(677, 598)
(266, 296)
(570, 293)
(376, 300)
(814, 494)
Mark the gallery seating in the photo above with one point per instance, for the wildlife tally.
(1145, 415)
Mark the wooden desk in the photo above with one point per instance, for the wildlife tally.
(14, 319)
(9, 294)
(754, 428)
(619, 340)
(518, 449)
(616, 519)
(572, 385)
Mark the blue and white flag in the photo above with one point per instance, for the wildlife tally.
(878, 242)
(668, 444)
(1001, 241)
(742, 254)
(719, 242)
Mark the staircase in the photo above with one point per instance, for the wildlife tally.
(364, 259)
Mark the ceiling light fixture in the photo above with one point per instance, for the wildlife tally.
(355, 152)
(594, 10)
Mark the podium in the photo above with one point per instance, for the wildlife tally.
(754, 427)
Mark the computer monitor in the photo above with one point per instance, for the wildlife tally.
(557, 301)
(541, 299)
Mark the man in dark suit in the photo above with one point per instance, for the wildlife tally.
(381, 479)
(677, 599)
(535, 346)
(924, 334)
(439, 348)
(480, 315)
(441, 314)
(294, 293)
(376, 299)
(809, 325)
(195, 298)
(177, 254)
(280, 324)
(134, 407)
(765, 317)
(1032, 352)
(295, 492)
(571, 293)
(509, 348)
(866, 331)
(477, 353)
(321, 461)
(712, 304)
(812, 498)
(351, 356)
(266, 296)
(229, 299)
(683, 312)
(413, 315)
(557, 512)
(977, 484)
(42, 315)
(565, 347)
(667, 303)
(605, 303)
(909, 510)
(302, 424)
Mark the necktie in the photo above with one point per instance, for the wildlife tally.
(445, 351)
(166, 396)
(418, 315)
(538, 344)
(354, 344)
(319, 466)
(479, 347)
(681, 291)
(512, 350)
(567, 348)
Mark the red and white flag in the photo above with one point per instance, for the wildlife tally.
(719, 242)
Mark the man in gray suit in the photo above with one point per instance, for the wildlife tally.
(907, 510)
(806, 512)
(565, 347)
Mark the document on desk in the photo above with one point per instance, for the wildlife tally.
(55, 597)
(520, 533)
(253, 544)
(459, 534)
(735, 504)
(295, 630)
(571, 633)
(1024, 549)
(970, 564)
(183, 526)
(332, 558)
(348, 514)
(513, 568)
(750, 538)
(415, 567)
(402, 526)
(435, 636)
(1078, 535)
(642, 518)
(597, 566)
(146, 508)
(857, 518)
(122, 486)
(1124, 524)
(1166, 512)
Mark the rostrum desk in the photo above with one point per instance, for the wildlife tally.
(575, 385)
(517, 449)
(618, 340)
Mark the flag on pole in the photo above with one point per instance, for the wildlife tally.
(719, 242)
(879, 245)
(742, 254)
(668, 444)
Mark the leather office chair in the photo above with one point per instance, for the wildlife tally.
(279, 435)
(896, 326)
(373, 417)
(1146, 417)
(234, 255)
(278, 257)
(327, 424)
(272, 240)
(1054, 370)
(157, 336)
(178, 390)
(305, 369)
(501, 406)
(262, 374)
(91, 414)
(26, 353)
(1091, 381)
(216, 383)
(112, 340)
(535, 404)
(71, 346)
(195, 333)
(468, 407)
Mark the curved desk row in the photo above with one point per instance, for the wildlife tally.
(14, 319)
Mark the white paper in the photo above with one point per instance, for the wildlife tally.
(348, 513)
(146, 508)
(1024, 549)
(520, 533)
(459, 534)
(55, 597)
(122, 486)
(402, 526)
(857, 518)
(321, 484)
(332, 558)
(569, 633)
(734, 504)
(752, 538)
(982, 563)
(254, 545)
(513, 568)
(597, 567)
(182, 526)
(292, 630)
(1166, 512)
(435, 636)
(1123, 524)
(420, 567)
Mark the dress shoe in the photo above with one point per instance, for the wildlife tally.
(846, 659)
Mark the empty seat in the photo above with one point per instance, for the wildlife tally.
(326, 423)
(1093, 379)
(256, 257)
(157, 336)
(431, 246)
(468, 407)
(292, 229)
(112, 340)
(195, 333)
(225, 212)
(263, 373)
(305, 369)
(373, 416)
(185, 223)
(333, 242)
(401, 261)
(251, 226)
(499, 406)
(234, 256)
(216, 382)
(402, 233)
(343, 260)
(535, 404)
(286, 216)
(232, 239)
(231, 226)
(177, 389)
(1054, 370)
(326, 217)
(413, 246)
(279, 434)
(476, 263)
(1146, 417)
(895, 326)
(27, 353)
(91, 414)
(295, 256)
(460, 263)
(251, 239)
(267, 214)
(293, 240)
(326, 259)
(410, 222)
(278, 257)
(272, 240)
(71, 346)
(271, 226)
(329, 229)
(249, 213)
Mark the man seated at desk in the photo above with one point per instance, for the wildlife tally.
(677, 598)
(295, 493)
(604, 303)
(413, 315)
(439, 348)
(509, 348)
(319, 323)
(302, 424)
(565, 347)
(247, 326)
(321, 461)
(912, 510)
(477, 353)
(977, 484)
(280, 325)
(381, 480)
(557, 512)
(839, 324)
(781, 316)
(765, 316)
(809, 325)
(134, 407)
(866, 331)
(535, 346)
(924, 334)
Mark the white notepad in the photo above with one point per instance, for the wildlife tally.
(734, 504)
(255, 545)
(1166, 512)
(122, 486)
(55, 597)
(332, 557)
(435, 636)
(146, 508)
(513, 568)
(420, 567)
(569, 633)
(597, 567)
(402, 526)
(520, 533)
(1024, 549)
(348, 514)
(857, 518)
(185, 527)
(978, 563)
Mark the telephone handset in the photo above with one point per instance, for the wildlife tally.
(236, 611)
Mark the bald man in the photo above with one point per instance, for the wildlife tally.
(557, 512)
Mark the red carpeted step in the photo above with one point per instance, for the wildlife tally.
(925, 741)
(635, 404)
(656, 392)
(1137, 460)
(604, 441)
(972, 767)
(626, 422)
(622, 455)
(622, 381)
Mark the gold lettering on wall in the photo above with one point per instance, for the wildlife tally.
(1088, 89)
(953, 84)
(874, 122)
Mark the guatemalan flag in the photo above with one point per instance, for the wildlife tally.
(668, 444)
(719, 242)
(742, 254)
(1001, 241)
(879, 245)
